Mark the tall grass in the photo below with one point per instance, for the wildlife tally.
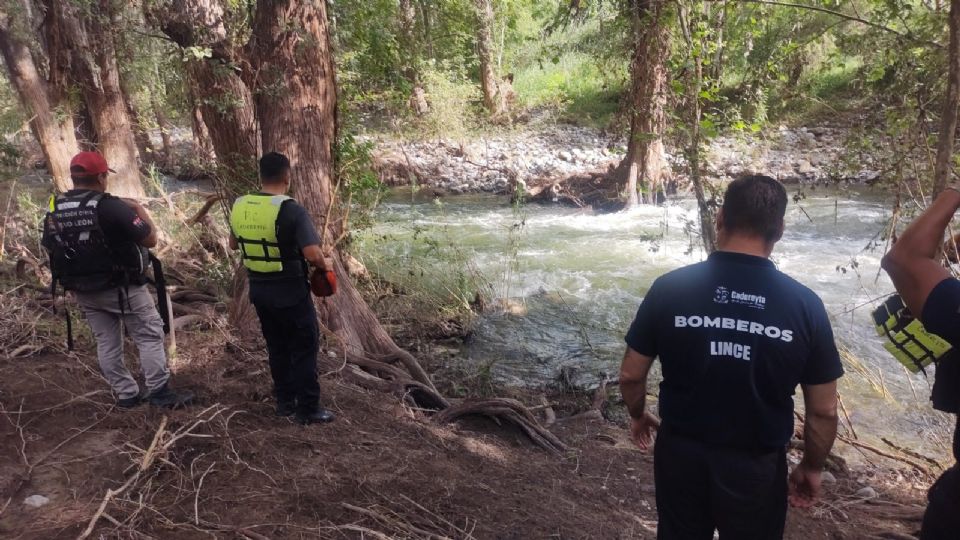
(575, 84)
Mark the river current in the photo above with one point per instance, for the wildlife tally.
(565, 284)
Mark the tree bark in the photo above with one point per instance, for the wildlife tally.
(291, 57)
(948, 120)
(411, 54)
(85, 34)
(694, 86)
(224, 101)
(54, 132)
(164, 124)
(488, 77)
(83, 128)
(645, 165)
(202, 144)
(141, 136)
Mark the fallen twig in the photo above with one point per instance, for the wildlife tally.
(853, 442)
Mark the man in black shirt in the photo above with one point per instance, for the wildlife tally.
(735, 337)
(278, 240)
(928, 289)
(97, 245)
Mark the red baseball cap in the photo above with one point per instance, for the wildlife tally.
(89, 164)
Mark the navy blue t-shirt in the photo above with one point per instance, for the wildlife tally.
(941, 315)
(735, 336)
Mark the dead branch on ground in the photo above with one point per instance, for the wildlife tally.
(160, 446)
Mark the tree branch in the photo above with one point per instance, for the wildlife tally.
(847, 17)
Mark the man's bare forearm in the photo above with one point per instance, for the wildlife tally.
(635, 397)
(819, 434)
(633, 381)
(911, 262)
(923, 238)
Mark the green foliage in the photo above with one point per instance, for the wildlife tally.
(360, 186)
(454, 100)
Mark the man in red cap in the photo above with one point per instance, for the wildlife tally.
(98, 250)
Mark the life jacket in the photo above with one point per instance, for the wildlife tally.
(81, 258)
(253, 222)
(907, 339)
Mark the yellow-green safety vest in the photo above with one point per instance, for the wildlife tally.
(907, 339)
(253, 222)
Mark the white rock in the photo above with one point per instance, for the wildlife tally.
(866, 493)
(36, 501)
(565, 155)
(828, 478)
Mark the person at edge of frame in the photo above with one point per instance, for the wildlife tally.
(932, 293)
(735, 336)
(277, 241)
(98, 245)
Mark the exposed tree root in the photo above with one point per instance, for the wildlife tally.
(509, 410)
(212, 199)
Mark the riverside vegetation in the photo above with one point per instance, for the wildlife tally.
(469, 356)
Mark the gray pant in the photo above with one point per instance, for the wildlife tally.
(143, 324)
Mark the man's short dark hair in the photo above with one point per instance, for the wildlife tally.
(272, 166)
(755, 205)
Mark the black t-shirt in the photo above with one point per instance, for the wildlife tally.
(941, 315)
(295, 231)
(734, 336)
(119, 222)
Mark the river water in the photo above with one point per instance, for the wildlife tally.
(566, 284)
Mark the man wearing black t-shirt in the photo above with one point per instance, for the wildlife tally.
(277, 242)
(735, 337)
(97, 245)
(928, 289)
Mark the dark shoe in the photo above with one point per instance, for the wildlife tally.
(322, 416)
(286, 408)
(130, 402)
(168, 398)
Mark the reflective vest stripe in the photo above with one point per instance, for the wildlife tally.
(907, 339)
(253, 222)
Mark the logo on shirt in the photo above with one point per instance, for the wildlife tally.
(137, 221)
(725, 296)
(721, 295)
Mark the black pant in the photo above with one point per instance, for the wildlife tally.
(701, 487)
(293, 341)
(942, 518)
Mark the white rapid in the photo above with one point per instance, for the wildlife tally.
(571, 281)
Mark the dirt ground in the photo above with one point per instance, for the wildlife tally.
(227, 468)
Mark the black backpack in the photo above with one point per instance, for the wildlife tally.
(81, 258)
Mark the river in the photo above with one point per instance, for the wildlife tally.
(570, 281)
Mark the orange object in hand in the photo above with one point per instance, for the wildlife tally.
(323, 283)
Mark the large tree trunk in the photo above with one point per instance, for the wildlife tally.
(83, 128)
(225, 103)
(223, 113)
(54, 132)
(85, 34)
(202, 143)
(164, 124)
(411, 55)
(141, 136)
(291, 56)
(645, 165)
(948, 121)
(488, 77)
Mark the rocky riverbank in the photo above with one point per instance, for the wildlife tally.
(552, 154)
